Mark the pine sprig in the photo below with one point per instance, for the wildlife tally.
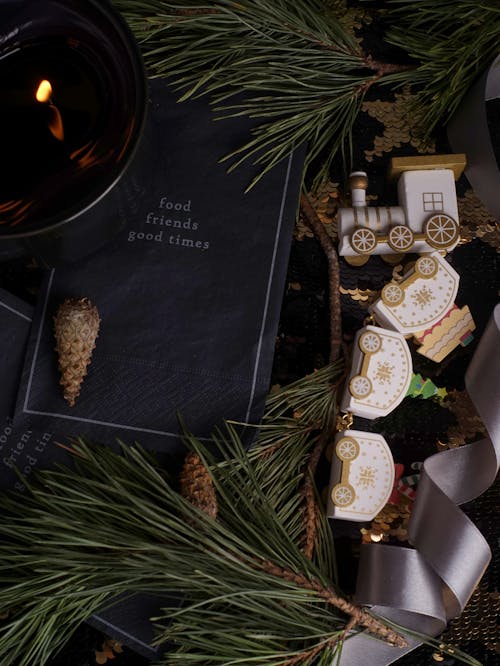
(302, 74)
(453, 43)
(116, 524)
(243, 591)
(296, 70)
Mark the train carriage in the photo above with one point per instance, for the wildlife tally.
(380, 374)
(361, 476)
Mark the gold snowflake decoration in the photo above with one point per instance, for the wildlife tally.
(384, 372)
(423, 296)
(366, 478)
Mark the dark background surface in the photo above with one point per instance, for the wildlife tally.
(418, 428)
(412, 431)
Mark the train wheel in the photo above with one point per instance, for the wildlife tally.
(400, 238)
(343, 495)
(441, 231)
(360, 386)
(347, 448)
(392, 294)
(426, 267)
(370, 342)
(363, 241)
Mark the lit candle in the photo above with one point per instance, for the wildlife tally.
(43, 129)
(72, 106)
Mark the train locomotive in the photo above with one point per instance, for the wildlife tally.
(425, 220)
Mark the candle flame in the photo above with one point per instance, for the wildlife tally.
(44, 95)
(44, 91)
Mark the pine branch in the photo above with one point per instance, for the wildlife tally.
(116, 524)
(302, 75)
(311, 507)
(308, 655)
(451, 43)
(310, 398)
(359, 615)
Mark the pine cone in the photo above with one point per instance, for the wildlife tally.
(76, 326)
(196, 485)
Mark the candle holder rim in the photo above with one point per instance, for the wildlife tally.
(51, 223)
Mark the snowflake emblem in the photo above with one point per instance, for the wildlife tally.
(423, 296)
(367, 476)
(384, 372)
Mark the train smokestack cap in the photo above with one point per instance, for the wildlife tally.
(358, 180)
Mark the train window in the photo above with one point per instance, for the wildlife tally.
(433, 201)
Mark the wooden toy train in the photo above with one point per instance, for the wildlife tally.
(425, 220)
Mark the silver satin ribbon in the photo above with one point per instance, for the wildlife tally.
(423, 588)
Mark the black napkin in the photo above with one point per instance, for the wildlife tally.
(21, 449)
(189, 294)
(15, 322)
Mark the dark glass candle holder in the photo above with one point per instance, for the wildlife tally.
(72, 111)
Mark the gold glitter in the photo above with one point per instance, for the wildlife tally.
(477, 622)
(476, 222)
(400, 126)
(469, 424)
(391, 524)
(364, 297)
(437, 656)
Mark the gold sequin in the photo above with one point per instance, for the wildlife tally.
(364, 297)
(325, 201)
(351, 18)
(400, 126)
(391, 524)
(478, 621)
(469, 424)
(476, 222)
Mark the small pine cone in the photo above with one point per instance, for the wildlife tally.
(196, 485)
(76, 326)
